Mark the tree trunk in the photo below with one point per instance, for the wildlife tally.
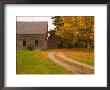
(88, 45)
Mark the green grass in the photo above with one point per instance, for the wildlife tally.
(85, 60)
(36, 62)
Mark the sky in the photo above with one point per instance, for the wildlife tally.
(34, 19)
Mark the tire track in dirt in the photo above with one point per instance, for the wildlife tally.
(61, 55)
(73, 67)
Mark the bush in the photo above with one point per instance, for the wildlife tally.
(31, 47)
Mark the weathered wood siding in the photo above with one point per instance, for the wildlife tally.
(30, 39)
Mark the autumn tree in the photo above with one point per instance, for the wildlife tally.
(57, 21)
(76, 29)
(86, 29)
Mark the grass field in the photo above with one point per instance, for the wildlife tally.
(36, 62)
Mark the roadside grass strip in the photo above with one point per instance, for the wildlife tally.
(75, 61)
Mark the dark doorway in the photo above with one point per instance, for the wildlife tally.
(24, 42)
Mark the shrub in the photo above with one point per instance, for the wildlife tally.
(31, 47)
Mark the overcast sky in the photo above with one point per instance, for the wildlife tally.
(30, 19)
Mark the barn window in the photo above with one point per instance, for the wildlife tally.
(36, 42)
(24, 42)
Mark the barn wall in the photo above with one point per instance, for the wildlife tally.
(53, 42)
(42, 42)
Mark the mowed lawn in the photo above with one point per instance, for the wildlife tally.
(81, 55)
(36, 62)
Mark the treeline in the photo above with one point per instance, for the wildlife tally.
(78, 31)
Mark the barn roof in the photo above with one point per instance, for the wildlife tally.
(31, 27)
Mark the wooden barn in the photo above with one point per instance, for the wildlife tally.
(31, 33)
